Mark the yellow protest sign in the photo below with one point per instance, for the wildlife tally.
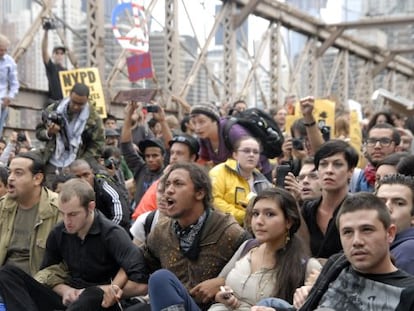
(323, 112)
(90, 77)
(289, 121)
(355, 130)
(355, 136)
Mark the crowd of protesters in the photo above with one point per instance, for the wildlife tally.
(147, 212)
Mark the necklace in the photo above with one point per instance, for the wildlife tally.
(262, 284)
(260, 281)
(256, 285)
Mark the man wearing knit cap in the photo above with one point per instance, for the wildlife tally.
(209, 127)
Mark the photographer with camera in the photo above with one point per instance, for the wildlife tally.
(53, 64)
(72, 129)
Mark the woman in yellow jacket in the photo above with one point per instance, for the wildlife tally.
(237, 180)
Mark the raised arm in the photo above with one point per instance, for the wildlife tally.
(126, 134)
(166, 131)
(45, 44)
(314, 134)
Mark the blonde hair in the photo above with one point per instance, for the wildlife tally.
(341, 126)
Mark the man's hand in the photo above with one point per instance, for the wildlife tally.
(205, 291)
(112, 295)
(300, 295)
(52, 129)
(6, 101)
(292, 185)
(130, 109)
(13, 137)
(306, 106)
(70, 295)
(312, 277)
(160, 114)
(287, 148)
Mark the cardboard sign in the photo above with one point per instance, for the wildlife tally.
(138, 95)
(323, 112)
(355, 135)
(290, 119)
(90, 77)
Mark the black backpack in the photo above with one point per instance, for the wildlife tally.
(261, 126)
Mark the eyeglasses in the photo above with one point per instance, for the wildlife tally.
(248, 151)
(384, 141)
(311, 175)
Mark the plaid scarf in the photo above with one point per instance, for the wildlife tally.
(189, 237)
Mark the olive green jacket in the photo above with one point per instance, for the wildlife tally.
(92, 142)
(48, 216)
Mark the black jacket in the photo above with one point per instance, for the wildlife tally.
(111, 202)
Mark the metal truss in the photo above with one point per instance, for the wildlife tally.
(321, 37)
(172, 48)
(95, 34)
(275, 48)
(229, 51)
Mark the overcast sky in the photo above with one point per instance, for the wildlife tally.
(202, 14)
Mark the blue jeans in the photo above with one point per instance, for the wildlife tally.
(3, 118)
(274, 303)
(166, 290)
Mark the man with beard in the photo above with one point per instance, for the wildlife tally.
(194, 243)
(28, 212)
(383, 140)
(101, 263)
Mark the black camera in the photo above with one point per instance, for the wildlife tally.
(53, 117)
(325, 130)
(297, 144)
(152, 108)
(21, 137)
(49, 24)
(111, 163)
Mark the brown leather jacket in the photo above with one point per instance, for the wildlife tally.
(221, 236)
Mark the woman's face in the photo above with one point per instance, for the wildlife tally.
(334, 172)
(381, 119)
(269, 224)
(247, 154)
(204, 126)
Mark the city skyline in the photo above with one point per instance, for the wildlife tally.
(73, 13)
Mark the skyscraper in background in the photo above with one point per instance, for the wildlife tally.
(242, 33)
(296, 41)
(399, 35)
(17, 17)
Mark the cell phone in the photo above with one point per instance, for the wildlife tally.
(152, 108)
(297, 144)
(227, 295)
(281, 173)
